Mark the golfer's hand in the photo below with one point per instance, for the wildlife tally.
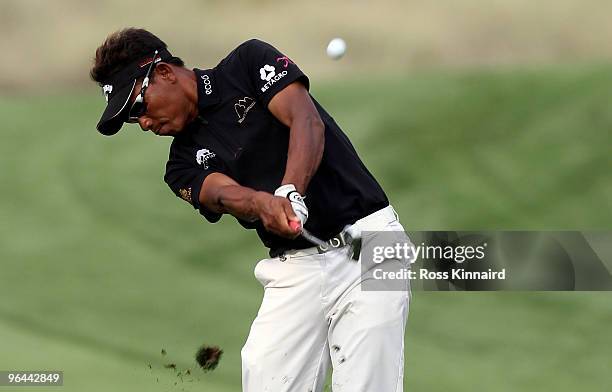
(275, 212)
(297, 201)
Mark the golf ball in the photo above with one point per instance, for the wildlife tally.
(336, 48)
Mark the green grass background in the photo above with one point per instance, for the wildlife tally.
(102, 266)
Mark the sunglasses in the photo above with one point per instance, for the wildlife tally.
(139, 107)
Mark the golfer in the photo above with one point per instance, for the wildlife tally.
(250, 141)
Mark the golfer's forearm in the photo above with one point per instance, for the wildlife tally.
(306, 145)
(239, 201)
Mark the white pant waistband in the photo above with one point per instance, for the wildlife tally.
(374, 222)
(377, 220)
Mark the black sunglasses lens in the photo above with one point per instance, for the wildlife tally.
(137, 110)
(139, 107)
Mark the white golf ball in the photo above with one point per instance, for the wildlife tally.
(336, 48)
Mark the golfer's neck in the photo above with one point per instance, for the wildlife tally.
(190, 88)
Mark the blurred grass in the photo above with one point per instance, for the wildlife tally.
(102, 266)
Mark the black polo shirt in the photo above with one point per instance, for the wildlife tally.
(238, 136)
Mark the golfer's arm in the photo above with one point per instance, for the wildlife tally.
(294, 108)
(221, 194)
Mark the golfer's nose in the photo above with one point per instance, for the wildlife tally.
(145, 123)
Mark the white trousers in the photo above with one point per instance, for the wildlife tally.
(314, 315)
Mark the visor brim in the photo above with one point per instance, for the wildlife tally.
(113, 117)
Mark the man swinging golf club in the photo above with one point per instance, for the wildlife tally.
(250, 141)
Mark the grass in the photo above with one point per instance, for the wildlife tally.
(102, 266)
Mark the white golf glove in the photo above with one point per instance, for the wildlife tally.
(297, 201)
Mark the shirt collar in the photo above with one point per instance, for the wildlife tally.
(208, 91)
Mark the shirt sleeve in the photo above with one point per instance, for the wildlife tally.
(185, 179)
(269, 70)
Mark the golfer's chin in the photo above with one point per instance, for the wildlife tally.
(175, 127)
(167, 132)
(170, 129)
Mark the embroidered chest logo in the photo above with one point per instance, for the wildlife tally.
(202, 157)
(242, 107)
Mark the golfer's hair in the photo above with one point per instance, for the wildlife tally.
(124, 47)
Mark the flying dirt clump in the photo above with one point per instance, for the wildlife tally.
(208, 357)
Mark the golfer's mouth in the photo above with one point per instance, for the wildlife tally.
(162, 131)
(156, 130)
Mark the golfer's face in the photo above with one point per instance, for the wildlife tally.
(166, 111)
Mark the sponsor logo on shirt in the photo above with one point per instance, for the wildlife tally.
(185, 194)
(202, 157)
(242, 107)
(268, 73)
(286, 61)
(207, 85)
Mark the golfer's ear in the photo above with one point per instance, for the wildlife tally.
(165, 71)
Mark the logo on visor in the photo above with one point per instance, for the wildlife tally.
(106, 90)
(267, 72)
(148, 61)
(203, 155)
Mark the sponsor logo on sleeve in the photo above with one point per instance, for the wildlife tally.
(202, 157)
(242, 107)
(286, 61)
(185, 194)
(269, 75)
(267, 72)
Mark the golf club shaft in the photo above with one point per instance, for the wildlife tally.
(313, 239)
